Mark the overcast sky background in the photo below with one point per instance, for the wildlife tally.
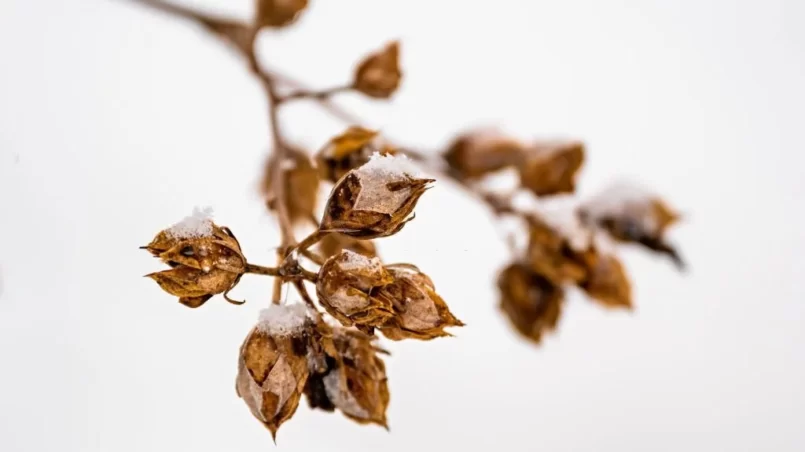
(115, 121)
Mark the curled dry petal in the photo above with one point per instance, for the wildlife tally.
(345, 285)
(348, 151)
(278, 13)
(301, 187)
(333, 244)
(477, 154)
(550, 168)
(532, 303)
(419, 312)
(273, 370)
(375, 200)
(379, 74)
(202, 263)
(607, 282)
(354, 381)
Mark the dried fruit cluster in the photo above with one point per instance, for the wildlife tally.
(325, 348)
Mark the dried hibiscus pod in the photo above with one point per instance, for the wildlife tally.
(348, 151)
(345, 284)
(206, 259)
(334, 243)
(473, 155)
(354, 381)
(550, 168)
(419, 312)
(532, 303)
(301, 187)
(379, 74)
(273, 364)
(278, 13)
(631, 214)
(607, 282)
(551, 255)
(375, 200)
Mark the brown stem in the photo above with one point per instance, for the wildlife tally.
(300, 287)
(260, 270)
(316, 258)
(314, 95)
(311, 240)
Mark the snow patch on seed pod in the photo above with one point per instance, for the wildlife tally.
(196, 225)
(283, 320)
(376, 175)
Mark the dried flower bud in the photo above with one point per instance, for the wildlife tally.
(348, 151)
(607, 282)
(631, 214)
(354, 381)
(552, 256)
(205, 258)
(375, 200)
(532, 303)
(301, 185)
(273, 364)
(333, 244)
(345, 284)
(420, 313)
(477, 154)
(378, 75)
(278, 13)
(550, 168)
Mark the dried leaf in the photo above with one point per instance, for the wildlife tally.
(532, 303)
(301, 185)
(477, 154)
(419, 312)
(550, 168)
(379, 74)
(278, 13)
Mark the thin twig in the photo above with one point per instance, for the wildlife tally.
(260, 270)
(301, 94)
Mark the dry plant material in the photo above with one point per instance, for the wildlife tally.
(325, 347)
(379, 74)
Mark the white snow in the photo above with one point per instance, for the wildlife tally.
(282, 320)
(621, 199)
(374, 177)
(340, 398)
(350, 260)
(199, 224)
(388, 165)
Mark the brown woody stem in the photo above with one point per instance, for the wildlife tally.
(260, 270)
(317, 259)
(314, 95)
(311, 240)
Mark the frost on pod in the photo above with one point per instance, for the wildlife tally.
(375, 200)
(345, 285)
(354, 380)
(205, 259)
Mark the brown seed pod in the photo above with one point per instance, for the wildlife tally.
(273, 364)
(473, 155)
(301, 185)
(205, 260)
(531, 302)
(375, 200)
(550, 168)
(419, 312)
(334, 243)
(345, 284)
(354, 381)
(349, 151)
(379, 74)
(607, 282)
(551, 255)
(631, 214)
(278, 13)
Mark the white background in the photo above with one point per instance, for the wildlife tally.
(115, 121)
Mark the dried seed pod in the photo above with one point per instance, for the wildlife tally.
(419, 312)
(206, 259)
(301, 184)
(273, 364)
(345, 284)
(379, 75)
(349, 151)
(354, 381)
(532, 303)
(333, 244)
(607, 282)
(550, 168)
(631, 214)
(477, 154)
(278, 13)
(375, 200)
(552, 256)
